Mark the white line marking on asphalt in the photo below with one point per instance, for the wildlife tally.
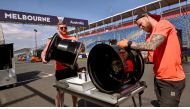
(46, 74)
(49, 64)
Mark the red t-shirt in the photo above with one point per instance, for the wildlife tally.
(167, 57)
(130, 67)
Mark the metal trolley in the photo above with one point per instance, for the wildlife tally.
(93, 95)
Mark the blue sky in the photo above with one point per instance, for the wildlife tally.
(92, 10)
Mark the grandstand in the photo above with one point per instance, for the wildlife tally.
(122, 25)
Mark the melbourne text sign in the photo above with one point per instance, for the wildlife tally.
(30, 18)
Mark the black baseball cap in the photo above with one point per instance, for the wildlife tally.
(154, 16)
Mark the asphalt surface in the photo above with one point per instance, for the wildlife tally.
(35, 87)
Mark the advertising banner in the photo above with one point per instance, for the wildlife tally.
(30, 18)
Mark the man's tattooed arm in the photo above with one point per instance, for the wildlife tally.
(149, 46)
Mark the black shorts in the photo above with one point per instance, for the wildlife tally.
(168, 93)
(65, 73)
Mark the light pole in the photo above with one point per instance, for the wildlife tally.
(2, 39)
(35, 39)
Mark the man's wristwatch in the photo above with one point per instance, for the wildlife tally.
(129, 44)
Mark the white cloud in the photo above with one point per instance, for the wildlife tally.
(15, 31)
(23, 35)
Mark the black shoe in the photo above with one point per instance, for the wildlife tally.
(155, 103)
